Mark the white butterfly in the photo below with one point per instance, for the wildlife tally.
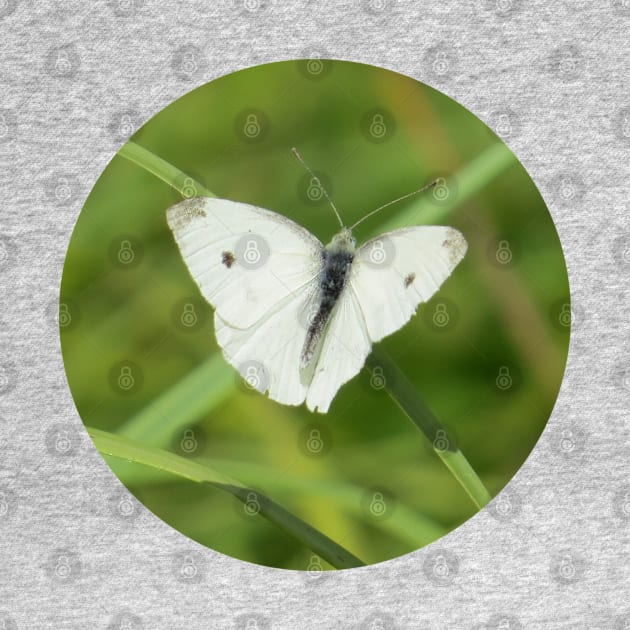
(297, 318)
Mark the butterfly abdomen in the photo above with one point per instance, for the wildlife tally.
(332, 280)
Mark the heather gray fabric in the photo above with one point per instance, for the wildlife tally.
(553, 78)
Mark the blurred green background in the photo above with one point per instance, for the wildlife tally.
(487, 353)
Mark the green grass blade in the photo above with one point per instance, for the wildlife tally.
(182, 405)
(123, 448)
(468, 181)
(162, 169)
(407, 398)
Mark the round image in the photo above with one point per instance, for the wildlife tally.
(315, 315)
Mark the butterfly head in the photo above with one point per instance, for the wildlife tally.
(343, 241)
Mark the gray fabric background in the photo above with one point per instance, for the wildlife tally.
(556, 554)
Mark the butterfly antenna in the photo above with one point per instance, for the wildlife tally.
(389, 203)
(318, 183)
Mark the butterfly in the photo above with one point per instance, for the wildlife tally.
(297, 319)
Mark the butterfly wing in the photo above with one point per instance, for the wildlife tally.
(392, 274)
(344, 349)
(267, 354)
(245, 259)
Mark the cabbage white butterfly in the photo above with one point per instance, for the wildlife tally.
(296, 318)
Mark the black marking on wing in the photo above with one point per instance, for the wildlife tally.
(227, 258)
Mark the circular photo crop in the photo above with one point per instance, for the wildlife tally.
(315, 315)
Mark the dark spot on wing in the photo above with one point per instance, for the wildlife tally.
(227, 258)
(409, 279)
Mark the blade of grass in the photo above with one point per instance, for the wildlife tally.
(467, 182)
(162, 169)
(123, 448)
(406, 524)
(407, 398)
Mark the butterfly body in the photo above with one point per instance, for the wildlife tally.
(337, 259)
(297, 318)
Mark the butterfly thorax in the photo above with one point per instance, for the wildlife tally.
(337, 259)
